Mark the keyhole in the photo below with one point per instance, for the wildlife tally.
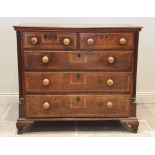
(78, 76)
(79, 55)
(78, 98)
(106, 37)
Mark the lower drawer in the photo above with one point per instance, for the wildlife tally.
(51, 82)
(43, 106)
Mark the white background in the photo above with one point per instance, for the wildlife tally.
(78, 8)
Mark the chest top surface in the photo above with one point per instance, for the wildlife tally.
(78, 27)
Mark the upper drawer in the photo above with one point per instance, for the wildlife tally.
(106, 40)
(49, 40)
(78, 60)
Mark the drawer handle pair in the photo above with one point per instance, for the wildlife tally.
(45, 59)
(34, 41)
(46, 82)
(90, 41)
(46, 105)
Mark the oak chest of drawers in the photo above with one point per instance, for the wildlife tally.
(77, 73)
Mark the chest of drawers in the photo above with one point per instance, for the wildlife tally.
(77, 73)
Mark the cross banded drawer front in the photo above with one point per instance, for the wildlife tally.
(106, 40)
(77, 106)
(78, 60)
(77, 82)
(49, 40)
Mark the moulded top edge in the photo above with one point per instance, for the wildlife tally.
(75, 26)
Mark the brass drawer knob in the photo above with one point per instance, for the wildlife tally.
(66, 41)
(109, 105)
(46, 82)
(90, 41)
(34, 40)
(46, 105)
(122, 41)
(111, 60)
(45, 59)
(110, 82)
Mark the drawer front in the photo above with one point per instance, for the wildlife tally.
(80, 60)
(49, 40)
(106, 41)
(49, 82)
(77, 106)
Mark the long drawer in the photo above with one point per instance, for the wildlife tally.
(48, 82)
(78, 60)
(41, 106)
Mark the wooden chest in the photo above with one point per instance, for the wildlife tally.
(77, 73)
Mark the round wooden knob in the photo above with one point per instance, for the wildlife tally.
(46, 105)
(109, 105)
(90, 41)
(110, 82)
(122, 41)
(46, 82)
(66, 41)
(45, 59)
(111, 60)
(34, 40)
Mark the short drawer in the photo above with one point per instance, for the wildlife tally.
(41, 106)
(51, 82)
(106, 41)
(78, 60)
(50, 40)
